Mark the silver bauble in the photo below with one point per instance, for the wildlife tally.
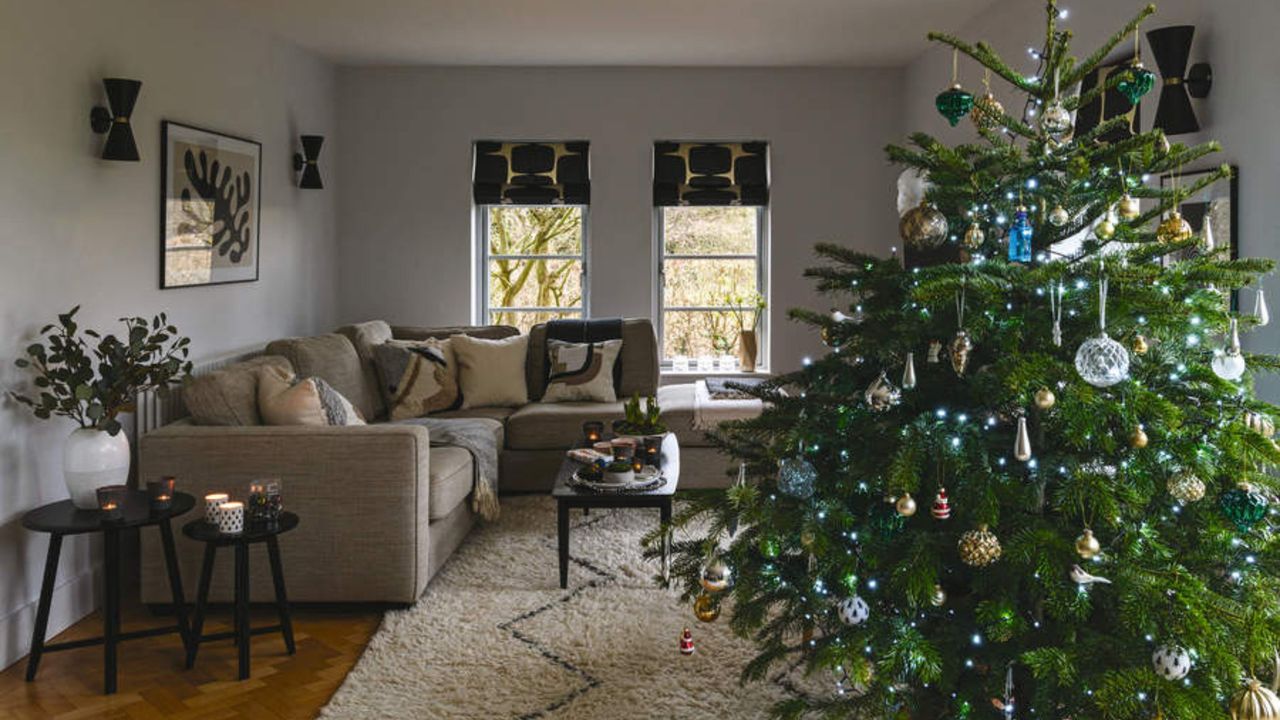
(923, 227)
(1055, 121)
(1102, 362)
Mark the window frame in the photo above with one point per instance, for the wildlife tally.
(480, 306)
(660, 308)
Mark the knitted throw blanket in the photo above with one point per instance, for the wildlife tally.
(476, 437)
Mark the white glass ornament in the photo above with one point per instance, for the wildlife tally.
(1206, 236)
(1260, 310)
(1171, 662)
(1101, 361)
(853, 610)
(1229, 364)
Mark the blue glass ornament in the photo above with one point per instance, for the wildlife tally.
(796, 477)
(1020, 237)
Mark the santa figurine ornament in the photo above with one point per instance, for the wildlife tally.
(941, 509)
(686, 642)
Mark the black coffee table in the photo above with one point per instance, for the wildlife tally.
(63, 518)
(213, 539)
(567, 496)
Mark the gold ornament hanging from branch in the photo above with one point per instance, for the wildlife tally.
(979, 548)
(988, 113)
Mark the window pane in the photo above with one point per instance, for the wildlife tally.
(549, 230)
(709, 282)
(535, 283)
(525, 319)
(709, 230)
(701, 332)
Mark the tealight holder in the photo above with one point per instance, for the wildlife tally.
(111, 501)
(592, 431)
(212, 503)
(652, 449)
(160, 492)
(623, 449)
(231, 517)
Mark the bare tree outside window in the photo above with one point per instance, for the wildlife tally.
(535, 258)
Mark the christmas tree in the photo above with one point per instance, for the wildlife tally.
(1029, 478)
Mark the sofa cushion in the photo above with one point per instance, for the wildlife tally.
(365, 337)
(285, 400)
(450, 480)
(229, 396)
(491, 413)
(581, 371)
(419, 377)
(333, 358)
(492, 372)
(637, 370)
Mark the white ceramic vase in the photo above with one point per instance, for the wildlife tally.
(91, 459)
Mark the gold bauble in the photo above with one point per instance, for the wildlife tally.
(825, 334)
(923, 227)
(1255, 702)
(1045, 398)
(1087, 546)
(806, 537)
(987, 112)
(974, 237)
(1186, 488)
(961, 346)
(1059, 216)
(705, 609)
(1129, 207)
(1138, 438)
(1140, 346)
(715, 576)
(1105, 229)
(1173, 229)
(939, 597)
(979, 548)
(905, 505)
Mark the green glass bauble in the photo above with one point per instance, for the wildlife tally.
(1243, 506)
(954, 103)
(1137, 82)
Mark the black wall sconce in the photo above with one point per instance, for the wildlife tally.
(1172, 48)
(121, 96)
(306, 162)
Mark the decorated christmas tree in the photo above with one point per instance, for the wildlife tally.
(1029, 478)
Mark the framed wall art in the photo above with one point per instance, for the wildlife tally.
(210, 207)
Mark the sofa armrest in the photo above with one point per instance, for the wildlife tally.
(361, 493)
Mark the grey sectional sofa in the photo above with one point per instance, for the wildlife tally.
(381, 508)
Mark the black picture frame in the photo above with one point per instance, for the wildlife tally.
(212, 218)
(1207, 206)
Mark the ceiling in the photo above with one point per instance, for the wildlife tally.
(612, 32)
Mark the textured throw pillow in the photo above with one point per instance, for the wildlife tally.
(418, 378)
(228, 396)
(285, 400)
(581, 371)
(491, 372)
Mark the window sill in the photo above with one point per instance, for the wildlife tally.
(671, 377)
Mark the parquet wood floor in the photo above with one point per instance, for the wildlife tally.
(153, 683)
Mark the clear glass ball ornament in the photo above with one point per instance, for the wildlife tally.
(1228, 365)
(1102, 362)
(1056, 121)
(796, 477)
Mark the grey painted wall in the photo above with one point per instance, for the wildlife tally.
(76, 229)
(405, 219)
(1236, 36)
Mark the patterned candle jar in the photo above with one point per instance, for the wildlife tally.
(212, 502)
(231, 518)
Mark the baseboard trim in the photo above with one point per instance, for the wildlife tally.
(73, 599)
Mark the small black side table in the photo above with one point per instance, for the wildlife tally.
(208, 534)
(63, 518)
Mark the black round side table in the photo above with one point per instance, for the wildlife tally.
(63, 518)
(212, 538)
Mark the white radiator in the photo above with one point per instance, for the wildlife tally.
(156, 411)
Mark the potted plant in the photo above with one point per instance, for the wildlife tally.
(619, 472)
(93, 384)
(640, 421)
(746, 310)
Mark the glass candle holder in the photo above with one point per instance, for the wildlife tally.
(623, 449)
(652, 449)
(111, 501)
(212, 502)
(231, 517)
(592, 431)
(264, 504)
(160, 492)
(637, 462)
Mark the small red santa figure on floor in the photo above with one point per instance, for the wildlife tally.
(686, 643)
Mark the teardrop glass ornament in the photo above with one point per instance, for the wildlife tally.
(1260, 310)
(1022, 444)
(909, 372)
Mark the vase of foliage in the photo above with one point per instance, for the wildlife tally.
(93, 384)
(747, 310)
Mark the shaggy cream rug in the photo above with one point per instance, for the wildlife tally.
(494, 636)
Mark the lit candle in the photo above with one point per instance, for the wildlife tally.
(231, 517)
(212, 502)
(111, 501)
(592, 430)
(160, 492)
(623, 449)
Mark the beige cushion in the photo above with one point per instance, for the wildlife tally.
(365, 337)
(581, 371)
(491, 372)
(637, 365)
(334, 359)
(418, 378)
(229, 396)
(451, 477)
(311, 401)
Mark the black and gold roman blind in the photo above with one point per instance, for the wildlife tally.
(710, 173)
(531, 173)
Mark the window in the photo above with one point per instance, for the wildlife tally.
(712, 277)
(533, 263)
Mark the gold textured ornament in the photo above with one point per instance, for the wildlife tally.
(979, 548)
(715, 576)
(1140, 345)
(1138, 438)
(825, 334)
(905, 505)
(961, 346)
(1128, 207)
(1173, 229)
(1186, 488)
(1045, 399)
(974, 237)
(1059, 216)
(987, 113)
(939, 597)
(1255, 702)
(705, 609)
(923, 227)
(1087, 546)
